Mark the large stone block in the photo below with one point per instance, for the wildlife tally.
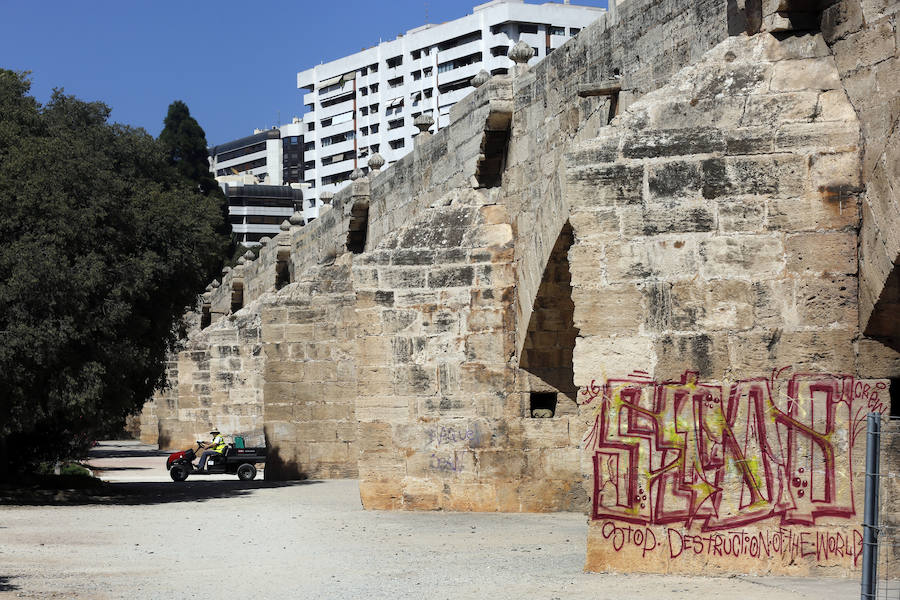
(805, 74)
(605, 185)
(744, 256)
(811, 253)
(614, 309)
(598, 358)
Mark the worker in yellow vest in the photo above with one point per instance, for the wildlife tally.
(213, 448)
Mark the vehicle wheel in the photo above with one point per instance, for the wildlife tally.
(246, 472)
(178, 473)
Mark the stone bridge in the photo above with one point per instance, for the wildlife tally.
(651, 278)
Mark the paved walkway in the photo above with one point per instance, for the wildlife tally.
(147, 537)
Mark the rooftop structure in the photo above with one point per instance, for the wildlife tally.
(273, 156)
(257, 211)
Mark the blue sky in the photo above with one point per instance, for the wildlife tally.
(235, 64)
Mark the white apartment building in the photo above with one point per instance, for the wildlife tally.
(366, 102)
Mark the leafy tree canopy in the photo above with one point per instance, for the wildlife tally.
(185, 146)
(103, 243)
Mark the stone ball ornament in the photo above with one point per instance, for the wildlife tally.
(424, 122)
(521, 53)
(480, 79)
(376, 161)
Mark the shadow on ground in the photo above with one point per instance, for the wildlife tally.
(118, 452)
(5, 585)
(140, 493)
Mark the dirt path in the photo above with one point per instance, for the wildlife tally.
(142, 539)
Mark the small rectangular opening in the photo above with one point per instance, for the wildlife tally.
(542, 405)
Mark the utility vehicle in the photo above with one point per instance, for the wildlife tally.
(234, 460)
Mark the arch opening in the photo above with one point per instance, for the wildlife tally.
(359, 225)
(550, 339)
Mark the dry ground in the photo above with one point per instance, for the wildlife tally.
(147, 537)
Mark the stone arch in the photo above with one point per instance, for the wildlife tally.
(283, 267)
(546, 356)
(883, 323)
(237, 294)
(357, 231)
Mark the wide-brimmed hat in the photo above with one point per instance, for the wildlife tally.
(215, 431)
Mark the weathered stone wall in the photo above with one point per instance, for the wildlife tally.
(718, 366)
(215, 382)
(440, 423)
(310, 387)
(647, 44)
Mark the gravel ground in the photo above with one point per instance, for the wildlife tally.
(147, 537)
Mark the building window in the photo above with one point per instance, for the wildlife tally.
(373, 108)
(496, 28)
(364, 111)
(455, 85)
(374, 88)
(364, 130)
(373, 68)
(574, 30)
(364, 91)
(336, 178)
(417, 75)
(459, 41)
(459, 62)
(260, 147)
(499, 50)
(395, 82)
(337, 99)
(311, 126)
(396, 144)
(395, 124)
(528, 28)
(416, 54)
(312, 202)
(373, 128)
(394, 62)
(557, 31)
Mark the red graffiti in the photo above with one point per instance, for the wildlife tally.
(685, 452)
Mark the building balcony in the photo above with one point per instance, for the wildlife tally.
(347, 87)
(338, 167)
(256, 228)
(271, 211)
(239, 160)
(336, 109)
(345, 146)
(459, 51)
(467, 72)
(333, 129)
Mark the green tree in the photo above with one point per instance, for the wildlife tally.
(185, 144)
(103, 243)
